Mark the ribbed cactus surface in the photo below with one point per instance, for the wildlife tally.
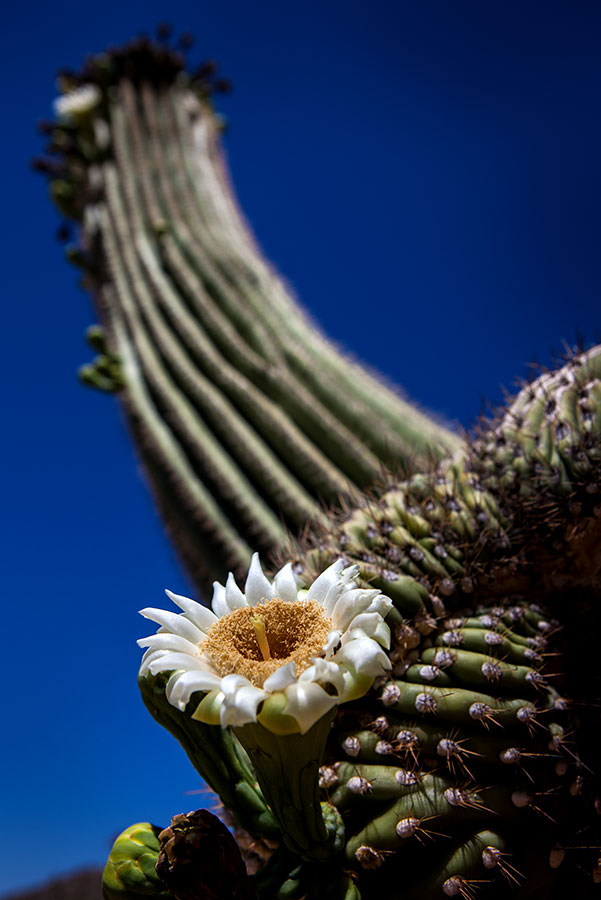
(246, 418)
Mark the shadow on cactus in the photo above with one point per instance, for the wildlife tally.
(407, 707)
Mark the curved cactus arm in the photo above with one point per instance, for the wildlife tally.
(246, 418)
(517, 510)
(542, 461)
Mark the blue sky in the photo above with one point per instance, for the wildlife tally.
(427, 177)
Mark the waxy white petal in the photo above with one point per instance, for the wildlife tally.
(369, 625)
(353, 602)
(176, 623)
(202, 617)
(322, 584)
(337, 586)
(148, 657)
(258, 588)
(182, 685)
(349, 574)
(323, 672)
(281, 678)
(365, 656)
(170, 661)
(234, 596)
(240, 700)
(169, 642)
(330, 599)
(218, 603)
(307, 702)
(78, 100)
(332, 642)
(380, 604)
(285, 586)
(381, 634)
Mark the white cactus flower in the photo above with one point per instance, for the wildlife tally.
(78, 101)
(276, 654)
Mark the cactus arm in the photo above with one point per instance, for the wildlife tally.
(518, 510)
(289, 392)
(353, 392)
(197, 440)
(236, 397)
(177, 478)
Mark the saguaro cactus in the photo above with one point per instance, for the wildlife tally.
(246, 418)
(407, 708)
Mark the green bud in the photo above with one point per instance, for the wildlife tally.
(130, 869)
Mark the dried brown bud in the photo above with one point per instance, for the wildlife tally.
(200, 860)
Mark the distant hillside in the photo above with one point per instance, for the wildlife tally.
(82, 885)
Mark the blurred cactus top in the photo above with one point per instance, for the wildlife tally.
(247, 419)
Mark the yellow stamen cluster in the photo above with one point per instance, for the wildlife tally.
(255, 641)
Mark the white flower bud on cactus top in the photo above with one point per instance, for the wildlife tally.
(78, 101)
(302, 651)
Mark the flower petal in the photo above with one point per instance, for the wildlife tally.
(355, 601)
(281, 678)
(380, 604)
(285, 585)
(332, 641)
(330, 577)
(176, 623)
(202, 617)
(182, 685)
(234, 596)
(331, 599)
(369, 625)
(323, 671)
(258, 587)
(166, 641)
(219, 603)
(307, 703)
(170, 661)
(148, 657)
(349, 574)
(240, 700)
(364, 656)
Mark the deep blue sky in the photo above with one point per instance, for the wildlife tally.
(425, 174)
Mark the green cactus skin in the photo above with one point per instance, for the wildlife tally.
(287, 768)
(130, 870)
(218, 757)
(214, 362)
